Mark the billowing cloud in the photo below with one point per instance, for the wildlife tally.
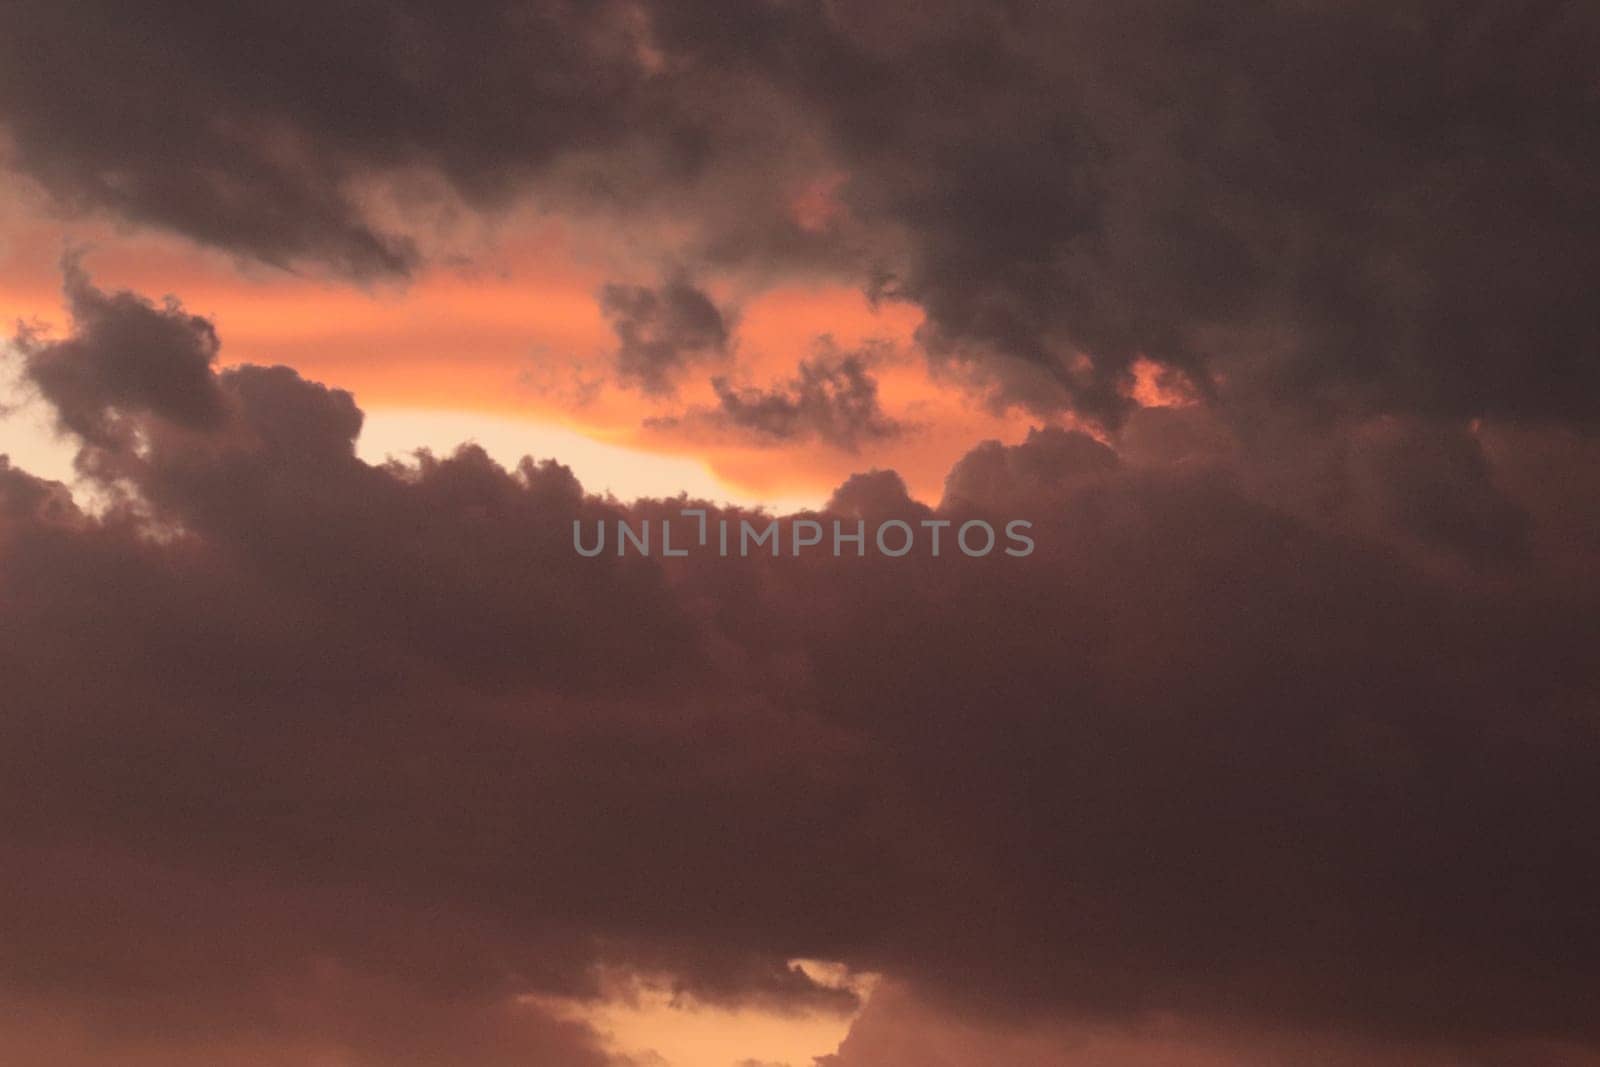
(252, 129)
(1372, 206)
(335, 756)
(1280, 746)
(125, 355)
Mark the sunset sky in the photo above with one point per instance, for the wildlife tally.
(329, 326)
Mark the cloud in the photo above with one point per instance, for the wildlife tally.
(118, 959)
(305, 751)
(662, 331)
(1048, 463)
(124, 354)
(1285, 202)
(833, 398)
(252, 131)
(877, 494)
(1375, 207)
(902, 1029)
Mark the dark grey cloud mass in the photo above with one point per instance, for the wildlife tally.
(1288, 725)
(662, 331)
(1371, 205)
(304, 753)
(245, 127)
(832, 399)
(125, 355)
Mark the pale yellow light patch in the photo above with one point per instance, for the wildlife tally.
(656, 1028)
(27, 429)
(602, 467)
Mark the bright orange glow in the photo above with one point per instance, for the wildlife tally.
(519, 335)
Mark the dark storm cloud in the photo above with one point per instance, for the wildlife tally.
(247, 127)
(662, 331)
(124, 354)
(322, 726)
(833, 398)
(1369, 204)
(1374, 206)
(1433, 484)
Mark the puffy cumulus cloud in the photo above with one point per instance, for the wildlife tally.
(1372, 205)
(1049, 462)
(127, 354)
(307, 754)
(876, 494)
(832, 399)
(1442, 487)
(662, 331)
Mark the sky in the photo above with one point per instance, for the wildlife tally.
(331, 332)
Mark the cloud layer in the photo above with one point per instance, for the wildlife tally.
(1280, 747)
(1375, 205)
(286, 729)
